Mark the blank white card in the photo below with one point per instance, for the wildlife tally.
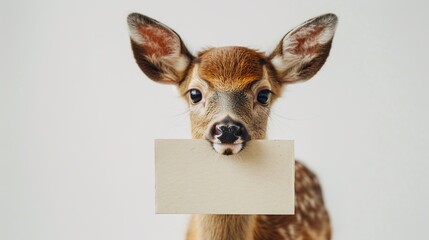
(191, 178)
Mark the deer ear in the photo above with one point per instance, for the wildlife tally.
(304, 50)
(158, 50)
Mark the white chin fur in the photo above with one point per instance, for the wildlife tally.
(221, 148)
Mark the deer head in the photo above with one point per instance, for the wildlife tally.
(230, 90)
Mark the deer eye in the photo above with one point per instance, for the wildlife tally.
(263, 97)
(195, 95)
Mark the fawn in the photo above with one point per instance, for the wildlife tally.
(229, 91)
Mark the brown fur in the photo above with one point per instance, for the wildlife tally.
(160, 46)
(230, 68)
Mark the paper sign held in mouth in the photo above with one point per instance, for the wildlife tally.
(191, 178)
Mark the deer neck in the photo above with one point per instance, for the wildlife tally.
(221, 227)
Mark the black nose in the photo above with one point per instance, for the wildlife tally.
(229, 131)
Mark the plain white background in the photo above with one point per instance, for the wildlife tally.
(78, 118)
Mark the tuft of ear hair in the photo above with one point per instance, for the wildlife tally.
(158, 50)
(303, 50)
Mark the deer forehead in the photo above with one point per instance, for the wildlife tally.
(230, 68)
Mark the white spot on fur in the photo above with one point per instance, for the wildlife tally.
(298, 217)
(302, 206)
(312, 202)
(292, 230)
(282, 232)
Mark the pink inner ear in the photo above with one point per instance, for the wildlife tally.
(158, 42)
(307, 43)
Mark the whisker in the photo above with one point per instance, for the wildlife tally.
(294, 119)
(180, 114)
(278, 124)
